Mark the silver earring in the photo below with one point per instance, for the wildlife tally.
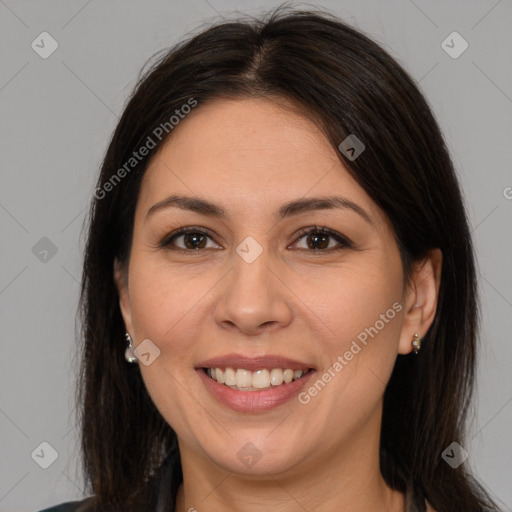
(129, 354)
(416, 344)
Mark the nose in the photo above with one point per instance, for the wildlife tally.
(253, 299)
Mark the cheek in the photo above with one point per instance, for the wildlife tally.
(162, 301)
(352, 299)
(359, 320)
(165, 305)
(357, 314)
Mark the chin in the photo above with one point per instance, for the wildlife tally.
(257, 458)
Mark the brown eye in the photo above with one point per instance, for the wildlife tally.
(194, 240)
(191, 239)
(319, 239)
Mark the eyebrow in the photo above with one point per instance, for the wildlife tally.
(296, 207)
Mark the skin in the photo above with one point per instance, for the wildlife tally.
(250, 156)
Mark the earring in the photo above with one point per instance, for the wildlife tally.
(129, 354)
(416, 344)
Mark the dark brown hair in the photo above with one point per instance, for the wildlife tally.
(346, 84)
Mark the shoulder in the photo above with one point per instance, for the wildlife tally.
(69, 506)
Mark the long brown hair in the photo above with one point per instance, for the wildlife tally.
(348, 85)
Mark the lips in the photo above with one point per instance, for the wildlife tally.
(254, 363)
(250, 399)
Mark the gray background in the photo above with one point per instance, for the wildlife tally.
(57, 115)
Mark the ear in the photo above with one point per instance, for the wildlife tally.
(421, 296)
(121, 281)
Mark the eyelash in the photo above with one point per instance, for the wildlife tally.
(166, 243)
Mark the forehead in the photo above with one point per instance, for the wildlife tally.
(248, 154)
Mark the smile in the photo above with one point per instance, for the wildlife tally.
(246, 380)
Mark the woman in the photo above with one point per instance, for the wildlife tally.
(279, 288)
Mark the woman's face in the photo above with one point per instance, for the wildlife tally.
(259, 284)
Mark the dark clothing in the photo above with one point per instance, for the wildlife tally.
(165, 487)
(169, 478)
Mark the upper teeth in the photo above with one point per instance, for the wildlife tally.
(248, 380)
